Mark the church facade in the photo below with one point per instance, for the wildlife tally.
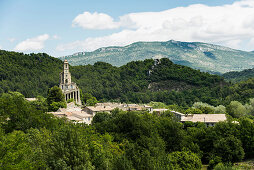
(69, 88)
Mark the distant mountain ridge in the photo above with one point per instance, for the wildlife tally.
(203, 56)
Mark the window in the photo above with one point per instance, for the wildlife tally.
(89, 119)
(66, 66)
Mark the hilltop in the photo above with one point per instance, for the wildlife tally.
(197, 55)
(236, 76)
(136, 82)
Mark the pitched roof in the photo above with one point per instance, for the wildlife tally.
(160, 110)
(74, 118)
(100, 108)
(81, 115)
(211, 118)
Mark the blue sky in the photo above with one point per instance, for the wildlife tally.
(63, 27)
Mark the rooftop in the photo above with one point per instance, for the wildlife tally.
(30, 99)
(211, 118)
(100, 108)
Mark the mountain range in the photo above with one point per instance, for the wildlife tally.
(203, 56)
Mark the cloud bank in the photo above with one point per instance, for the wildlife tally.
(95, 21)
(230, 25)
(36, 43)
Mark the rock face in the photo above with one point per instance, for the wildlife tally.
(203, 56)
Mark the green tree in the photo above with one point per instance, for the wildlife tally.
(40, 103)
(236, 109)
(20, 114)
(17, 153)
(184, 160)
(171, 132)
(87, 96)
(193, 111)
(92, 101)
(101, 117)
(221, 166)
(229, 149)
(69, 148)
(55, 99)
(246, 135)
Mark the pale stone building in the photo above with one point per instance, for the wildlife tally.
(208, 119)
(70, 89)
(74, 113)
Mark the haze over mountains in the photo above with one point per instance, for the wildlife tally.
(203, 56)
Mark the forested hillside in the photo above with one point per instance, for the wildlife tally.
(137, 81)
(30, 138)
(30, 74)
(236, 76)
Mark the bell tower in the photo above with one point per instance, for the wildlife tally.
(70, 89)
(66, 79)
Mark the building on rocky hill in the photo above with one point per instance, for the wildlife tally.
(69, 88)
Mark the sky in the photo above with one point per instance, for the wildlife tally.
(64, 27)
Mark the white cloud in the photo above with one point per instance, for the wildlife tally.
(36, 43)
(94, 20)
(1, 47)
(231, 25)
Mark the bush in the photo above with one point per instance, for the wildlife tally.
(184, 160)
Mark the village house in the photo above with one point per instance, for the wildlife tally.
(108, 107)
(74, 113)
(208, 119)
(78, 115)
(159, 111)
(92, 110)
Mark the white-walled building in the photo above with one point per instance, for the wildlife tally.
(69, 88)
(208, 119)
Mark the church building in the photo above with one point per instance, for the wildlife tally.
(70, 89)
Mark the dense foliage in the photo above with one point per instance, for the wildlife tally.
(138, 82)
(30, 74)
(55, 99)
(236, 76)
(30, 138)
(33, 139)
